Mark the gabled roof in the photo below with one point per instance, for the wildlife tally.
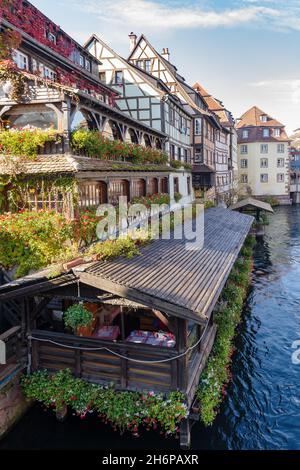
(252, 117)
(214, 105)
(153, 81)
(251, 203)
(173, 71)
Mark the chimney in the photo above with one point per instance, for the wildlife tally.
(132, 40)
(166, 53)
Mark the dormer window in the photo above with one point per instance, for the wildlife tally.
(276, 132)
(264, 118)
(266, 132)
(51, 37)
(245, 134)
(87, 65)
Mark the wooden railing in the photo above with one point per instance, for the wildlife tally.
(103, 366)
(53, 148)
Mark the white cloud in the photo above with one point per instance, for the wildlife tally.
(283, 90)
(147, 14)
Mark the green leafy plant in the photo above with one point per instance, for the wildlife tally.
(94, 144)
(9, 72)
(153, 199)
(24, 143)
(77, 315)
(177, 197)
(216, 376)
(124, 410)
(176, 164)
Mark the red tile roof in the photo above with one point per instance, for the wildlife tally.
(252, 117)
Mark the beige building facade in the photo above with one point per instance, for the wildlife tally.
(263, 156)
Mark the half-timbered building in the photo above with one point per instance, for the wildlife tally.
(145, 97)
(213, 126)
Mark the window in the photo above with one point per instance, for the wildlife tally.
(244, 149)
(280, 148)
(245, 134)
(140, 64)
(198, 129)
(51, 37)
(34, 65)
(171, 116)
(264, 148)
(188, 182)
(244, 178)
(21, 60)
(81, 60)
(244, 163)
(185, 155)
(264, 163)
(264, 177)
(102, 76)
(280, 177)
(87, 65)
(179, 153)
(266, 132)
(276, 132)
(172, 152)
(48, 73)
(280, 162)
(264, 118)
(118, 76)
(176, 185)
(148, 65)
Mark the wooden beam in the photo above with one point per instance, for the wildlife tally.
(140, 297)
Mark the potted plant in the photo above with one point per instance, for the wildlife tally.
(79, 319)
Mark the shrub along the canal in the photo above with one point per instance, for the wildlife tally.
(216, 376)
(123, 410)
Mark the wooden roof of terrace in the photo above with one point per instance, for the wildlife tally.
(165, 276)
(251, 203)
(169, 277)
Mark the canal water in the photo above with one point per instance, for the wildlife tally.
(262, 407)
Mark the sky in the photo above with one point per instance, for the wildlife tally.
(244, 52)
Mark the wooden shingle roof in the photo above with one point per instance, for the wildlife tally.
(169, 277)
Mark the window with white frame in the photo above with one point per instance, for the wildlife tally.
(266, 132)
(280, 177)
(264, 163)
(244, 163)
(276, 132)
(118, 76)
(264, 118)
(244, 149)
(280, 148)
(48, 73)
(20, 59)
(264, 178)
(244, 178)
(198, 126)
(264, 148)
(87, 65)
(245, 134)
(148, 66)
(51, 37)
(280, 162)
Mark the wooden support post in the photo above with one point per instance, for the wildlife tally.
(185, 434)
(182, 362)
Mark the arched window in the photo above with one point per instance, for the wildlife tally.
(152, 186)
(138, 188)
(92, 194)
(39, 116)
(118, 188)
